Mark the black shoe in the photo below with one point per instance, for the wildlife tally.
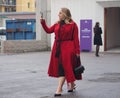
(70, 90)
(97, 55)
(57, 95)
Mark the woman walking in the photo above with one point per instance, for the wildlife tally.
(66, 46)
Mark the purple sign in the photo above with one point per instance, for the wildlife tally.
(85, 35)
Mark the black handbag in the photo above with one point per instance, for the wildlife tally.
(78, 69)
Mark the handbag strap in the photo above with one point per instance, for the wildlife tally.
(78, 60)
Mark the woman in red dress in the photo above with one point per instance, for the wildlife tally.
(66, 46)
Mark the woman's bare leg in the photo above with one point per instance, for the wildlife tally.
(60, 85)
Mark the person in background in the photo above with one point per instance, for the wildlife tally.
(97, 37)
(66, 46)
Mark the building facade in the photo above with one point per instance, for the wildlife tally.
(17, 5)
(107, 12)
(18, 9)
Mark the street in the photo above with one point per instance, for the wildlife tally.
(25, 76)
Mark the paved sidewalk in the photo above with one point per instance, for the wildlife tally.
(25, 76)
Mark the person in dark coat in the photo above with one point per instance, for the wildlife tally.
(66, 46)
(97, 37)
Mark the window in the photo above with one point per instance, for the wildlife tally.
(6, 9)
(10, 9)
(9, 2)
(28, 4)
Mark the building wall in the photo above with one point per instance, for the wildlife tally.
(21, 46)
(23, 6)
(80, 9)
(2, 9)
(43, 6)
(49, 21)
(18, 5)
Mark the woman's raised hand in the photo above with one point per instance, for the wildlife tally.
(42, 20)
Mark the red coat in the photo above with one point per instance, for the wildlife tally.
(68, 49)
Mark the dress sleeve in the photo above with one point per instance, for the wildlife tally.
(49, 30)
(76, 39)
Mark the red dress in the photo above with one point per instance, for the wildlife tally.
(68, 49)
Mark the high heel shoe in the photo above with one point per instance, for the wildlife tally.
(57, 95)
(70, 90)
(73, 88)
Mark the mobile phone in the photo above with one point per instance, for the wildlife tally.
(41, 14)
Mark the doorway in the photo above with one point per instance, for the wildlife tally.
(112, 28)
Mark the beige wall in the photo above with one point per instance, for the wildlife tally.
(18, 5)
(2, 9)
(22, 6)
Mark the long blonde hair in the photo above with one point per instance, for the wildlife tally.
(67, 14)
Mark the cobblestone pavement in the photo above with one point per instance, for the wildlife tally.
(25, 76)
